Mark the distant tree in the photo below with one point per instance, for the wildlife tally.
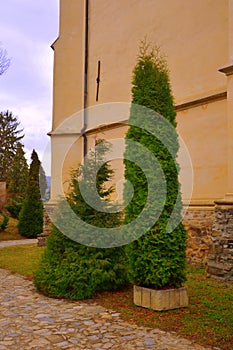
(43, 184)
(17, 179)
(10, 136)
(4, 61)
(17, 176)
(31, 215)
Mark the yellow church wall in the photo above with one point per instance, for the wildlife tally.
(204, 131)
(194, 37)
(68, 62)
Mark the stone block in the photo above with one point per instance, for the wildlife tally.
(42, 240)
(219, 261)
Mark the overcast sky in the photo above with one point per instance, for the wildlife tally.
(27, 29)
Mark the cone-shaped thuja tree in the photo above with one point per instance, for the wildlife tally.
(76, 271)
(31, 215)
(17, 176)
(157, 258)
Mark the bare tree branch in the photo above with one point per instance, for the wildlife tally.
(4, 61)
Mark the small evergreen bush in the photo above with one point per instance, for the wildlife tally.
(72, 270)
(157, 258)
(3, 221)
(14, 207)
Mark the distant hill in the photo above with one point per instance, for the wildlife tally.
(48, 179)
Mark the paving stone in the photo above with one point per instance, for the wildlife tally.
(31, 321)
(62, 344)
(55, 338)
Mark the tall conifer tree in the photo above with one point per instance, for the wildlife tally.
(9, 138)
(157, 258)
(31, 215)
(17, 176)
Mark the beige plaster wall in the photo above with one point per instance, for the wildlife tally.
(194, 37)
(68, 62)
(192, 34)
(204, 131)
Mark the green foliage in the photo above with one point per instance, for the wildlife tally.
(17, 176)
(10, 137)
(157, 259)
(94, 174)
(31, 214)
(73, 270)
(3, 221)
(14, 207)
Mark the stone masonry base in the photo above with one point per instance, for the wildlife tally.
(198, 222)
(220, 260)
(210, 237)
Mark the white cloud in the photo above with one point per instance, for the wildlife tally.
(27, 30)
(35, 125)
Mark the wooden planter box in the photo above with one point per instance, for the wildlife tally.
(159, 300)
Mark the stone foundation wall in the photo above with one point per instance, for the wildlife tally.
(198, 222)
(210, 238)
(47, 226)
(220, 262)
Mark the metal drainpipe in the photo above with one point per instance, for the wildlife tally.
(85, 79)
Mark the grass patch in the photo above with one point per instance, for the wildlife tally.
(11, 232)
(208, 320)
(22, 259)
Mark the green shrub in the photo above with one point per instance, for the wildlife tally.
(157, 258)
(76, 271)
(3, 221)
(14, 208)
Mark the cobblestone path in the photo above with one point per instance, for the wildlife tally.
(29, 320)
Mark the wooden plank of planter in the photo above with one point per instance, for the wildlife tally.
(161, 299)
